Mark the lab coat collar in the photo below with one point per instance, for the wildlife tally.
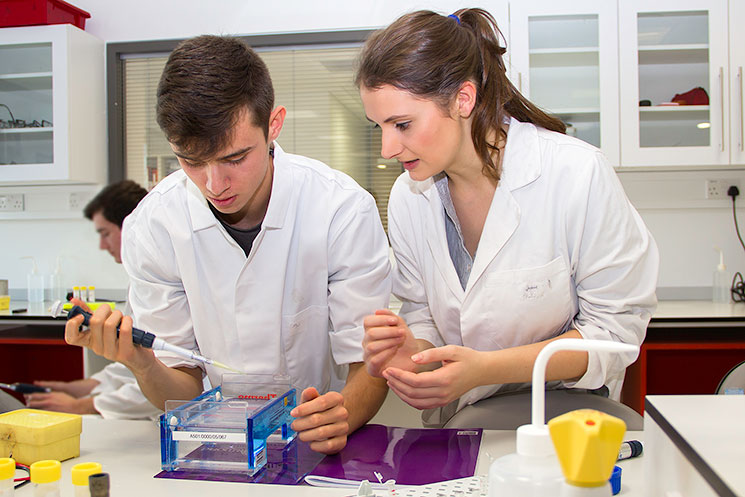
(279, 202)
(521, 166)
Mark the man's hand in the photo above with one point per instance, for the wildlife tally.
(60, 402)
(321, 420)
(101, 338)
(461, 371)
(388, 342)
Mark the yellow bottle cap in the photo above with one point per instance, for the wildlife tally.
(7, 468)
(587, 444)
(76, 288)
(46, 471)
(81, 472)
(91, 288)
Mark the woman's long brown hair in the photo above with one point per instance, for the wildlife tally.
(431, 56)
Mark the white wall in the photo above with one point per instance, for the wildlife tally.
(685, 226)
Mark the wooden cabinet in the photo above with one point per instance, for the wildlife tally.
(683, 355)
(52, 106)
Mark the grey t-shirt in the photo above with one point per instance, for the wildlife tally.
(244, 238)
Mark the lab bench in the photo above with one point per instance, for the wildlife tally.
(33, 347)
(130, 452)
(689, 347)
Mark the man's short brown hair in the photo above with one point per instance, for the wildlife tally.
(206, 83)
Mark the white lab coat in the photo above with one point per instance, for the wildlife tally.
(118, 396)
(562, 248)
(317, 267)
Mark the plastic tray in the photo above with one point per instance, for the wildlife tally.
(40, 12)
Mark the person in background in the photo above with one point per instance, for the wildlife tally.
(259, 259)
(112, 392)
(507, 233)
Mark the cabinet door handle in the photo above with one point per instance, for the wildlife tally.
(740, 109)
(520, 81)
(721, 96)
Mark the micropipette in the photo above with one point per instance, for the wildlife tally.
(25, 388)
(143, 338)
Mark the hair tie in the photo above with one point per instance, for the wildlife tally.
(457, 19)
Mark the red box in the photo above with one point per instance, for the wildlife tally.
(38, 12)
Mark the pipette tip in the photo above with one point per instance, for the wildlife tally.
(225, 366)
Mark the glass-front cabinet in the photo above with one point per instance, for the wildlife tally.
(674, 74)
(565, 60)
(52, 106)
(737, 85)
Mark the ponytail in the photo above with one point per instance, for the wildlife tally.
(431, 56)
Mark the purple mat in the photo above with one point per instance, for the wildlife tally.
(409, 456)
(286, 465)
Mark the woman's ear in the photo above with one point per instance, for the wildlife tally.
(465, 99)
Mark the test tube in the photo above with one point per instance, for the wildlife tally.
(84, 293)
(7, 473)
(45, 475)
(76, 292)
(80, 473)
(91, 294)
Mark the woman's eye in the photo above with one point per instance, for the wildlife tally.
(402, 126)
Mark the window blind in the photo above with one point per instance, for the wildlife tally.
(325, 118)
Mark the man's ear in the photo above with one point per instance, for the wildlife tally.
(465, 99)
(276, 121)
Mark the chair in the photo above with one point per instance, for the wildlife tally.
(9, 403)
(734, 381)
(510, 410)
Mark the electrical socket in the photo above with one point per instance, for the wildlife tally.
(75, 201)
(716, 189)
(11, 202)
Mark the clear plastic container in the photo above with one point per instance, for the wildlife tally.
(45, 476)
(80, 473)
(226, 428)
(7, 472)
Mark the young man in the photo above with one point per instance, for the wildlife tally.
(112, 392)
(260, 259)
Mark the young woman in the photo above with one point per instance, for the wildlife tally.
(507, 233)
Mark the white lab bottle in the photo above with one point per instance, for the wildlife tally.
(720, 287)
(7, 473)
(91, 294)
(56, 284)
(34, 283)
(80, 473)
(45, 476)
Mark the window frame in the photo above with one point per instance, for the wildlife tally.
(117, 52)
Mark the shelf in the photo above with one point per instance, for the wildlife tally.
(674, 108)
(674, 54)
(571, 50)
(576, 111)
(13, 131)
(564, 57)
(26, 82)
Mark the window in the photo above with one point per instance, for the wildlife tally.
(325, 119)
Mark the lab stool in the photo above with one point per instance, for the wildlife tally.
(509, 410)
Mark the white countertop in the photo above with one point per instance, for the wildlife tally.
(683, 309)
(130, 452)
(711, 427)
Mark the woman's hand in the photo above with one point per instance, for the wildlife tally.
(461, 371)
(388, 343)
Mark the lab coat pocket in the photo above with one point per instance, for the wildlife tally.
(306, 344)
(528, 305)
